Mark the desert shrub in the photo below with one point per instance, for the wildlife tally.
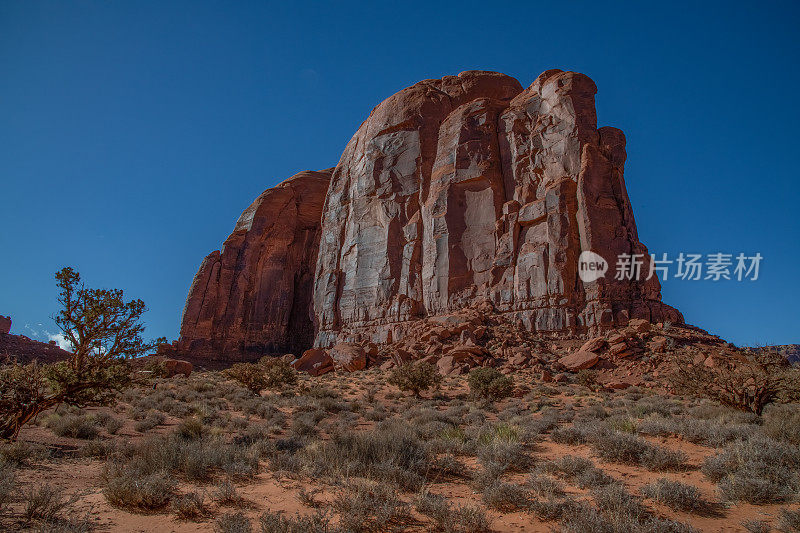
(499, 446)
(756, 526)
(544, 487)
(623, 512)
(225, 493)
(8, 484)
(579, 470)
(98, 448)
(789, 521)
(365, 505)
(758, 470)
(676, 495)
(781, 422)
(235, 522)
(629, 449)
(151, 420)
(277, 373)
(489, 384)
(251, 376)
(392, 452)
(22, 453)
(45, 503)
(318, 522)
(74, 426)
(749, 381)
(415, 377)
(449, 519)
(584, 518)
(587, 378)
(191, 428)
(190, 506)
(142, 492)
(505, 497)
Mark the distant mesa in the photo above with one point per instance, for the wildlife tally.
(453, 191)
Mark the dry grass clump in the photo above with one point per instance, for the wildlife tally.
(190, 506)
(365, 505)
(789, 521)
(448, 518)
(758, 470)
(318, 522)
(138, 491)
(391, 453)
(45, 503)
(579, 470)
(233, 522)
(505, 497)
(677, 496)
(624, 448)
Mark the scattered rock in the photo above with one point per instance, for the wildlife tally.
(173, 367)
(349, 357)
(579, 360)
(315, 361)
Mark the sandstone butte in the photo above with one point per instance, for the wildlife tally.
(454, 191)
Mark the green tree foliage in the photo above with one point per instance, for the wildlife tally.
(104, 332)
(415, 377)
(490, 384)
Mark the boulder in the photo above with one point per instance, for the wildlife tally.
(5, 324)
(315, 361)
(597, 344)
(349, 357)
(579, 360)
(173, 367)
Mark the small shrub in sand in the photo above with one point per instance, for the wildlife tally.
(415, 377)
(490, 384)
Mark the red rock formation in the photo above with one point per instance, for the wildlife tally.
(453, 191)
(469, 187)
(253, 297)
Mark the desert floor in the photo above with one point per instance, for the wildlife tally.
(349, 452)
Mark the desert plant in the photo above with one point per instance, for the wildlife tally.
(277, 373)
(8, 484)
(250, 375)
(748, 380)
(144, 492)
(757, 470)
(789, 521)
(676, 495)
(415, 377)
(104, 331)
(587, 378)
(506, 497)
(235, 522)
(490, 384)
(74, 426)
(190, 506)
(365, 505)
(318, 522)
(45, 502)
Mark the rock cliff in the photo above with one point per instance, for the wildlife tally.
(254, 296)
(463, 189)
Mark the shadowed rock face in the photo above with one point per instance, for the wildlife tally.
(452, 191)
(254, 296)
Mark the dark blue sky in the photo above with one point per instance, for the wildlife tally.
(133, 134)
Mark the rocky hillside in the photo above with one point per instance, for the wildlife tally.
(454, 191)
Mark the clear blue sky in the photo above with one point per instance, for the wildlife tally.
(133, 133)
